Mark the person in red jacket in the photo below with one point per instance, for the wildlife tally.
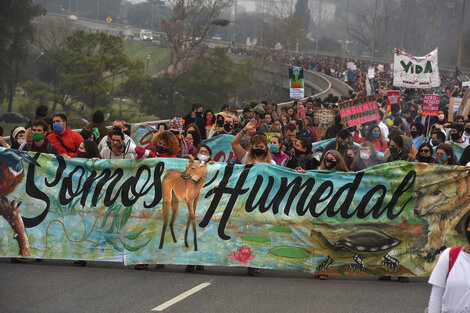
(375, 136)
(66, 140)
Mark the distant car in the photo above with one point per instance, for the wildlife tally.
(12, 117)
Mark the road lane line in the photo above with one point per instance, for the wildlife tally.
(182, 296)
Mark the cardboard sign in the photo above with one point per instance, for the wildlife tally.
(431, 104)
(324, 116)
(359, 111)
(350, 65)
(454, 105)
(380, 67)
(371, 73)
(393, 97)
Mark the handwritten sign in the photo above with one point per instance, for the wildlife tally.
(324, 116)
(431, 104)
(359, 111)
(393, 97)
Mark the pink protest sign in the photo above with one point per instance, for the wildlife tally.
(431, 104)
(359, 111)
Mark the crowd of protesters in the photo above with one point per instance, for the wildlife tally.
(263, 133)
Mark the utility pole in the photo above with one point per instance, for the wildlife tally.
(318, 27)
(97, 9)
(432, 24)
(234, 21)
(459, 56)
(374, 33)
(403, 21)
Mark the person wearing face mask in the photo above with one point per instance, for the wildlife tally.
(395, 113)
(118, 149)
(333, 161)
(399, 150)
(445, 155)
(417, 136)
(425, 152)
(275, 145)
(209, 121)
(466, 133)
(17, 137)
(334, 129)
(257, 153)
(219, 124)
(437, 137)
(204, 154)
(342, 142)
(450, 278)
(375, 136)
(40, 143)
(176, 128)
(66, 140)
(456, 137)
(367, 157)
(352, 154)
(303, 159)
(195, 116)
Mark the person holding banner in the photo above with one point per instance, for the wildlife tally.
(257, 153)
(303, 159)
(417, 136)
(450, 279)
(275, 146)
(400, 148)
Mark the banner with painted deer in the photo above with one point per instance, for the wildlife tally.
(392, 219)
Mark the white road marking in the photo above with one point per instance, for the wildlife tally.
(182, 296)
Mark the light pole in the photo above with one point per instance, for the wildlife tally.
(148, 60)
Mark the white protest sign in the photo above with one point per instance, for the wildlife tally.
(415, 72)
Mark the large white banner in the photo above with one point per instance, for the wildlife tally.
(415, 72)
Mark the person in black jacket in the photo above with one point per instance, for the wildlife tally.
(342, 142)
(303, 159)
(195, 116)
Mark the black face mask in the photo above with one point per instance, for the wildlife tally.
(175, 132)
(198, 114)
(467, 130)
(220, 123)
(414, 133)
(348, 159)
(298, 153)
(330, 164)
(228, 127)
(424, 159)
(468, 236)
(160, 149)
(455, 136)
(259, 152)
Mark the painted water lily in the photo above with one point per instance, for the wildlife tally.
(242, 255)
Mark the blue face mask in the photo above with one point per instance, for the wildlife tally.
(57, 127)
(274, 148)
(442, 159)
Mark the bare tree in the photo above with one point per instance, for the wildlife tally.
(187, 28)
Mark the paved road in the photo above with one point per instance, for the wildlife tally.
(57, 286)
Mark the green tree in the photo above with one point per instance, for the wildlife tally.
(89, 64)
(137, 84)
(16, 32)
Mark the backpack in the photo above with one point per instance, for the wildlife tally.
(30, 144)
(453, 255)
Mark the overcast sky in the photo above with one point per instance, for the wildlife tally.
(249, 5)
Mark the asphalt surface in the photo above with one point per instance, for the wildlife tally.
(58, 286)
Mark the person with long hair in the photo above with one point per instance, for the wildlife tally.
(445, 155)
(367, 157)
(209, 120)
(275, 145)
(352, 154)
(333, 161)
(374, 136)
(259, 150)
(165, 144)
(88, 149)
(257, 153)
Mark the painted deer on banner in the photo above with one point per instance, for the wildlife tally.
(185, 187)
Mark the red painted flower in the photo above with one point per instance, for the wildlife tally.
(242, 255)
